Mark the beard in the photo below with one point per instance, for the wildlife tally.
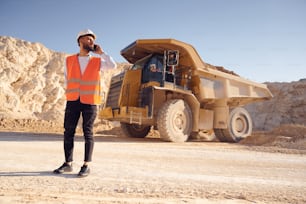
(89, 48)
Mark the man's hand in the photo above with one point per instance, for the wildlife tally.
(98, 50)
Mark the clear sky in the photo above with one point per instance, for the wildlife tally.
(261, 40)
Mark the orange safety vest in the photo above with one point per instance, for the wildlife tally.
(87, 86)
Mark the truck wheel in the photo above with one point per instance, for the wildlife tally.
(239, 126)
(174, 121)
(134, 130)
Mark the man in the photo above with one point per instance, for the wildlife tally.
(82, 76)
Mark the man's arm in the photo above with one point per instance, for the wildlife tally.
(107, 62)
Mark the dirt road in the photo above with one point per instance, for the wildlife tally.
(127, 170)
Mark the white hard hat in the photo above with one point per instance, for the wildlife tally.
(86, 32)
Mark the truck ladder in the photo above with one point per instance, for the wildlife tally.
(135, 117)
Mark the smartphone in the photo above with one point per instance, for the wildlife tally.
(95, 47)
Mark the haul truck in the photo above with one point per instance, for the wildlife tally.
(171, 89)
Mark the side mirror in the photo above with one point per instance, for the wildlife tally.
(172, 57)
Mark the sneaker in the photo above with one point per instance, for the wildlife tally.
(64, 168)
(84, 171)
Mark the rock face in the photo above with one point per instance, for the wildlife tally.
(288, 106)
(32, 79)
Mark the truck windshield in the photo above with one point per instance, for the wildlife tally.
(152, 69)
(155, 61)
(140, 63)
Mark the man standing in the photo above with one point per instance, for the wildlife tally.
(82, 76)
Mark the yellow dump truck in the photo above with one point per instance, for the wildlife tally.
(171, 89)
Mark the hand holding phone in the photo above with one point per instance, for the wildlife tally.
(97, 49)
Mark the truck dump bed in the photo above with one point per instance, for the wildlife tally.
(207, 82)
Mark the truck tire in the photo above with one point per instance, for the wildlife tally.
(174, 121)
(134, 130)
(239, 126)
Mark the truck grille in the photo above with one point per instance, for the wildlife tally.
(114, 91)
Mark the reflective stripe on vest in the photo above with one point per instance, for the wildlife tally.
(86, 86)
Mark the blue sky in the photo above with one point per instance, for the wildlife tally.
(262, 40)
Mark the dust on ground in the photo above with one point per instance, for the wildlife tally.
(290, 136)
(267, 167)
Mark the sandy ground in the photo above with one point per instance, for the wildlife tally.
(129, 170)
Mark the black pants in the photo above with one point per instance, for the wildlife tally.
(72, 114)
